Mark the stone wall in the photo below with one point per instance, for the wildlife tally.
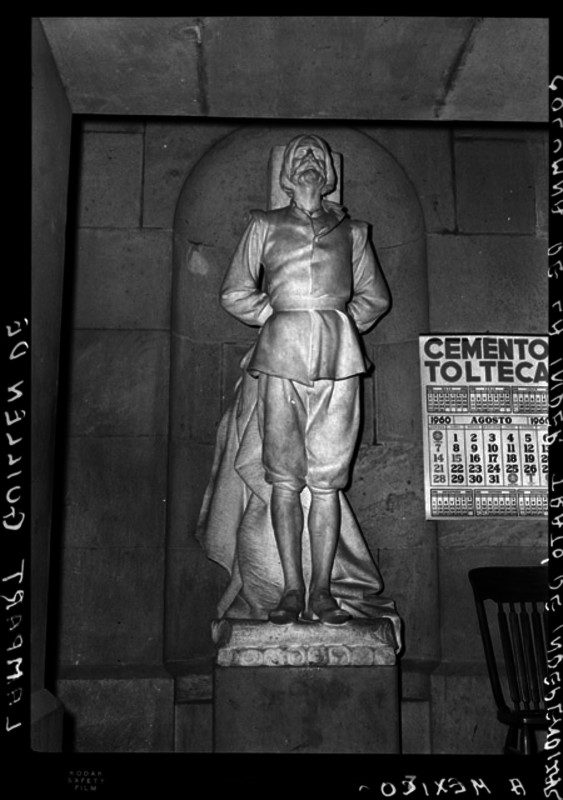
(112, 571)
(481, 191)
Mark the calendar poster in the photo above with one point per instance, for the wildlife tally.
(484, 421)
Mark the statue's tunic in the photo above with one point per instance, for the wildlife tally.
(321, 285)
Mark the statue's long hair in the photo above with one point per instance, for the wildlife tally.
(285, 173)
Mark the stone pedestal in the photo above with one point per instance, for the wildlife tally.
(306, 688)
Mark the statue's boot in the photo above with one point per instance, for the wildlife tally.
(289, 609)
(323, 607)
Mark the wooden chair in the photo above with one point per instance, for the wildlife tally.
(516, 650)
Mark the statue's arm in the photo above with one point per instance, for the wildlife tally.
(370, 298)
(240, 295)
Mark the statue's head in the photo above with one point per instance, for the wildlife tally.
(307, 159)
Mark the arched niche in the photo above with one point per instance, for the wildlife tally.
(207, 344)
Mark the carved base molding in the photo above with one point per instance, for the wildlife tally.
(249, 643)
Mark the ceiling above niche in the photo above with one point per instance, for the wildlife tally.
(368, 68)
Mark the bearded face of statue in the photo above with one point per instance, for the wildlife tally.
(307, 162)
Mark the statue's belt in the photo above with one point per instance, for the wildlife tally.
(310, 304)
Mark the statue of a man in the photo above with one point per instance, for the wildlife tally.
(320, 286)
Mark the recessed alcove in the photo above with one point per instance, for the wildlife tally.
(206, 344)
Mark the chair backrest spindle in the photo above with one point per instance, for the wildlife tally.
(520, 657)
(539, 642)
(530, 657)
(508, 653)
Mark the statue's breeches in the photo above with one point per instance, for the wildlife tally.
(308, 432)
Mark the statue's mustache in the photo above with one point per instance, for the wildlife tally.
(309, 163)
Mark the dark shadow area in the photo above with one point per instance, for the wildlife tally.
(69, 732)
(62, 424)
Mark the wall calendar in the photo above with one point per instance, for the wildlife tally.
(484, 420)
